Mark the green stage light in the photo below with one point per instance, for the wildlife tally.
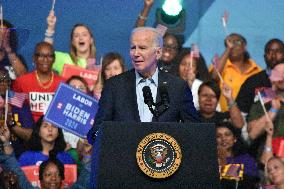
(172, 7)
(172, 15)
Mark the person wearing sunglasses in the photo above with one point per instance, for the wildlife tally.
(234, 66)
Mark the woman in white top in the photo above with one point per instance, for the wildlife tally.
(193, 70)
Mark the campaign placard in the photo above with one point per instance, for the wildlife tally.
(72, 110)
(32, 174)
(90, 76)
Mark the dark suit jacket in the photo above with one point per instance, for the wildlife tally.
(119, 102)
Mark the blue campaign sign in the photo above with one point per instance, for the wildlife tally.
(72, 110)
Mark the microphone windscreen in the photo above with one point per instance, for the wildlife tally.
(147, 94)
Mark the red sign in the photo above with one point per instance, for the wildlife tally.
(278, 146)
(70, 174)
(90, 76)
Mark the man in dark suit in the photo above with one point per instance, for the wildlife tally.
(122, 97)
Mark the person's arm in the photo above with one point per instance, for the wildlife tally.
(51, 22)
(16, 63)
(142, 17)
(191, 76)
(222, 60)
(21, 132)
(267, 152)
(105, 110)
(14, 60)
(84, 177)
(5, 139)
(257, 127)
(188, 112)
(8, 159)
(235, 113)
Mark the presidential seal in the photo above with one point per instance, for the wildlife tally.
(158, 155)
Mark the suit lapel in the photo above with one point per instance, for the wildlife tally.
(162, 79)
(133, 96)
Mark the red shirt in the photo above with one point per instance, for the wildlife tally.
(40, 94)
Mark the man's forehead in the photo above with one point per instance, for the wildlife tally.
(144, 34)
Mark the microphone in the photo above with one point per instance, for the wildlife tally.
(147, 94)
(148, 99)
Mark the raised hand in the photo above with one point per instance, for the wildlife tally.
(190, 76)
(6, 41)
(229, 43)
(148, 2)
(4, 134)
(227, 91)
(51, 20)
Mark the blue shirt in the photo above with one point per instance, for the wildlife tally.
(36, 158)
(143, 109)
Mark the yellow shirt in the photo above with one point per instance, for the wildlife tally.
(233, 77)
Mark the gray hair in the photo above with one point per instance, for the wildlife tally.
(158, 39)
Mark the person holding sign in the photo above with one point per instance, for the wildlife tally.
(51, 171)
(19, 119)
(208, 95)
(75, 144)
(257, 118)
(273, 55)
(41, 83)
(145, 51)
(46, 138)
(193, 71)
(231, 150)
(235, 66)
(82, 46)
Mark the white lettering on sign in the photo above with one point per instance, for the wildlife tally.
(76, 113)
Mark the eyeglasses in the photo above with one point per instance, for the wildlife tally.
(170, 47)
(276, 51)
(42, 56)
(237, 42)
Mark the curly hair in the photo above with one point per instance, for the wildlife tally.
(51, 160)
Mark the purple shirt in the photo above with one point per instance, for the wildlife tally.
(250, 165)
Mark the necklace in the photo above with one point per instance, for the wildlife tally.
(41, 83)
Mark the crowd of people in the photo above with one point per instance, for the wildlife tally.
(226, 93)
